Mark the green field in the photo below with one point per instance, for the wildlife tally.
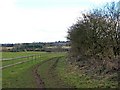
(52, 69)
(20, 76)
(18, 54)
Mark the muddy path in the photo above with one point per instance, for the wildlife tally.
(39, 82)
(37, 77)
(46, 76)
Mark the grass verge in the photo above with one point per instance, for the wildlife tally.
(76, 78)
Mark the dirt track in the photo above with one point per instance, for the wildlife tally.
(48, 77)
(40, 83)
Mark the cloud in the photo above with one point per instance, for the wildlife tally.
(7, 4)
(19, 24)
(28, 25)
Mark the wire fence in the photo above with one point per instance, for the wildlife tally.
(29, 58)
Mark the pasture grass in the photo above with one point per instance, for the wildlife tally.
(8, 62)
(20, 76)
(7, 54)
(18, 54)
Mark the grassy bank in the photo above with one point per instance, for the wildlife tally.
(77, 78)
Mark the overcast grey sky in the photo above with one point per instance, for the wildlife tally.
(40, 20)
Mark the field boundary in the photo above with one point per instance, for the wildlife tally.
(6, 59)
(14, 64)
(33, 58)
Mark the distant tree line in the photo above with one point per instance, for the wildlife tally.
(7, 45)
(36, 46)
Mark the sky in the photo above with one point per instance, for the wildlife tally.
(26, 21)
